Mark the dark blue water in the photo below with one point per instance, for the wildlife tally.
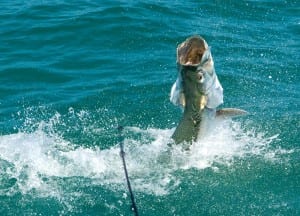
(70, 72)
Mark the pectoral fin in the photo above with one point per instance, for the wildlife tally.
(182, 99)
(203, 102)
(230, 112)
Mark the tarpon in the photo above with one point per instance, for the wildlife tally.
(198, 90)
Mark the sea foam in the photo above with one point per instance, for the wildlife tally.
(32, 159)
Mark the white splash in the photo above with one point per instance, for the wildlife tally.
(152, 163)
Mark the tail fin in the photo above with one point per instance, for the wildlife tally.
(230, 112)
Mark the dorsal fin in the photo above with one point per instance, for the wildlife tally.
(230, 112)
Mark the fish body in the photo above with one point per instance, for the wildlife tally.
(198, 90)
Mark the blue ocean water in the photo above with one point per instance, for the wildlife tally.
(71, 71)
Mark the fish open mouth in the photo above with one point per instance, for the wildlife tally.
(190, 54)
(191, 51)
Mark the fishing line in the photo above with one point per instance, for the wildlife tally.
(122, 154)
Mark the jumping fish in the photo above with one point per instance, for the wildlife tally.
(197, 90)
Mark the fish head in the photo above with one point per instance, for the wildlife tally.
(195, 64)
